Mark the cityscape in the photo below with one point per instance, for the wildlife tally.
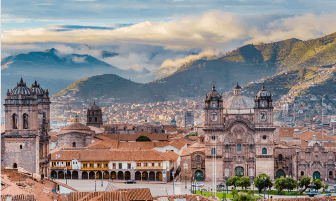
(168, 101)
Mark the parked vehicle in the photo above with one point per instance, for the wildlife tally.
(130, 182)
(220, 186)
(199, 184)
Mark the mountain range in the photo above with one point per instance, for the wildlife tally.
(246, 64)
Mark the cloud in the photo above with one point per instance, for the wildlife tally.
(78, 59)
(213, 30)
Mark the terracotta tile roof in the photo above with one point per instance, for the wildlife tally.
(100, 144)
(193, 148)
(96, 130)
(178, 143)
(109, 155)
(161, 144)
(286, 132)
(171, 154)
(135, 145)
(304, 144)
(133, 137)
(76, 127)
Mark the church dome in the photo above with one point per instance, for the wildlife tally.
(94, 107)
(213, 94)
(238, 101)
(21, 89)
(77, 126)
(36, 89)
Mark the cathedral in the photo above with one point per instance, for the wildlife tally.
(238, 134)
(25, 142)
(239, 139)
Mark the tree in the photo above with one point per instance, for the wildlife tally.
(291, 183)
(233, 181)
(318, 184)
(260, 183)
(304, 183)
(280, 184)
(243, 182)
(243, 197)
(142, 138)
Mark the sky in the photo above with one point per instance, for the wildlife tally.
(158, 35)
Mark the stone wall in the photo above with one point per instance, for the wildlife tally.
(265, 165)
(81, 140)
(26, 157)
(209, 169)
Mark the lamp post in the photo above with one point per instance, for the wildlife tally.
(288, 184)
(264, 187)
(102, 179)
(173, 183)
(185, 177)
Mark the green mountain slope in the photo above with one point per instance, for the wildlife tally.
(107, 86)
(288, 54)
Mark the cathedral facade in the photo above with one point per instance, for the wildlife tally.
(239, 139)
(26, 140)
(238, 135)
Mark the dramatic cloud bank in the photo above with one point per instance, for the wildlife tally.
(213, 30)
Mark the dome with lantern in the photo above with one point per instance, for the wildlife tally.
(238, 101)
(20, 89)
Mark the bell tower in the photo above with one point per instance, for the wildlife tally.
(263, 109)
(213, 109)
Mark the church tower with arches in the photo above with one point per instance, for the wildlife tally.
(26, 138)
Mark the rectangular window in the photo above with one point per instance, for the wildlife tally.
(106, 165)
(91, 165)
(153, 164)
(145, 164)
(120, 165)
(98, 165)
(129, 165)
(114, 166)
(159, 164)
(138, 164)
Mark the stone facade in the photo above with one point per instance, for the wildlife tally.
(94, 116)
(75, 135)
(26, 139)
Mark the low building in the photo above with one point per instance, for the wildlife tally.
(112, 164)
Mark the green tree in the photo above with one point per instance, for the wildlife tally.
(142, 138)
(243, 182)
(233, 181)
(243, 197)
(291, 183)
(304, 183)
(280, 184)
(318, 184)
(260, 182)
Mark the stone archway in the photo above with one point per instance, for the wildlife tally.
(159, 176)
(85, 175)
(137, 175)
(75, 175)
(60, 174)
(316, 175)
(239, 171)
(92, 175)
(199, 175)
(106, 175)
(280, 173)
(53, 174)
(151, 176)
(120, 175)
(127, 175)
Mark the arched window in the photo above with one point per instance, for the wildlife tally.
(25, 121)
(90, 119)
(198, 159)
(264, 151)
(213, 151)
(20, 146)
(226, 146)
(280, 157)
(14, 165)
(239, 147)
(213, 137)
(96, 119)
(15, 121)
(330, 173)
(92, 112)
(74, 144)
(251, 146)
(302, 173)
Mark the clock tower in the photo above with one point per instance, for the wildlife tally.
(263, 109)
(213, 109)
